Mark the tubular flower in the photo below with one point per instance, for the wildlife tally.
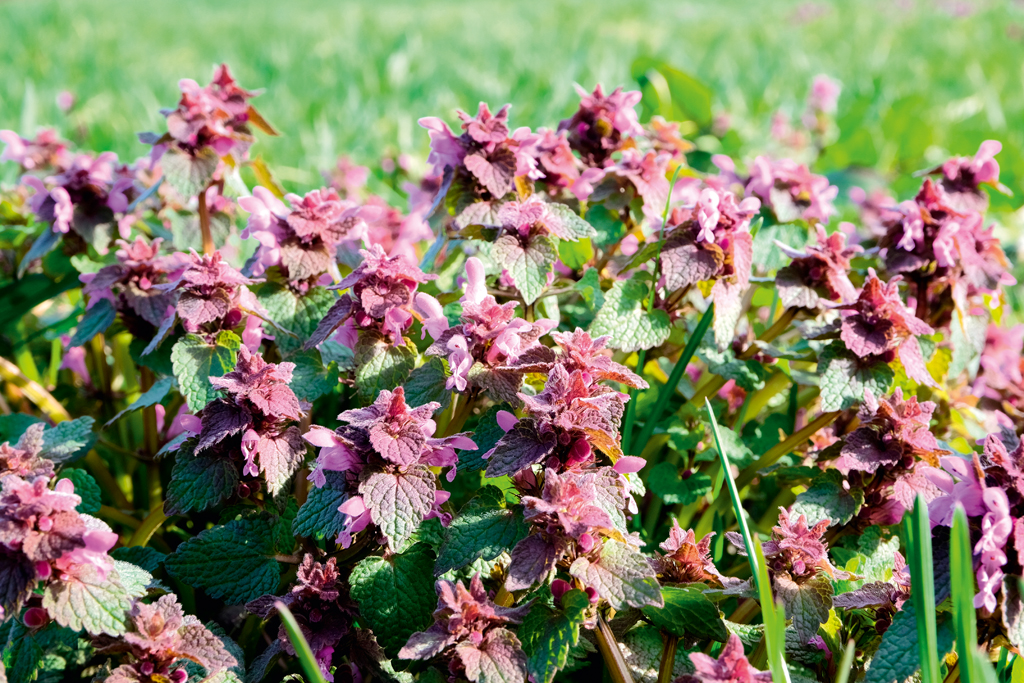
(962, 177)
(469, 628)
(818, 275)
(878, 324)
(385, 452)
(47, 151)
(490, 340)
(303, 239)
(791, 191)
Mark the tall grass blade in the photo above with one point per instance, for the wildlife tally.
(846, 665)
(669, 388)
(961, 565)
(919, 547)
(773, 614)
(302, 649)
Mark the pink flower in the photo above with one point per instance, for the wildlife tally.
(967, 489)
(730, 667)
(824, 95)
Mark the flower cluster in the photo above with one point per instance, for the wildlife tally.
(711, 242)
(469, 630)
(84, 194)
(573, 413)
(132, 284)
(991, 491)
(791, 191)
(686, 560)
(303, 240)
(162, 641)
(385, 452)
(212, 296)
(489, 339)
(216, 117)
(23, 459)
(46, 151)
(602, 123)
(730, 667)
(43, 538)
(380, 301)
(256, 419)
(819, 275)
(878, 325)
(320, 604)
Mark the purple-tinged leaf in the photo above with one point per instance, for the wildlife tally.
(522, 446)
(280, 455)
(221, 419)
(498, 659)
(621, 575)
(398, 502)
(533, 559)
(337, 314)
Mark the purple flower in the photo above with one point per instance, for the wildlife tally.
(730, 667)
(602, 123)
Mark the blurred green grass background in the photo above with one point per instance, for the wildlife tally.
(921, 79)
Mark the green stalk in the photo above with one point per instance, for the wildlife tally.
(153, 521)
(668, 659)
(961, 561)
(627, 423)
(734, 494)
(299, 643)
(669, 389)
(846, 665)
(918, 532)
(774, 616)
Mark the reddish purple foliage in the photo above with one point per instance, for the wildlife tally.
(730, 667)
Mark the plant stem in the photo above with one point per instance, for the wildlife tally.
(618, 670)
(668, 659)
(627, 423)
(105, 479)
(150, 524)
(204, 224)
(116, 515)
(35, 392)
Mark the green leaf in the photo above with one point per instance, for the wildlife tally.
(42, 245)
(548, 634)
(233, 561)
(688, 614)
(146, 557)
(898, 657)
(158, 360)
(90, 602)
(426, 384)
(807, 603)
(396, 595)
(311, 379)
(527, 264)
(319, 517)
(665, 481)
(86, 487)
(739, 453)
(572, 226)
(575, 254)
(381, 365)
(624, 318)
(961, 557)
(844, 377)
(828, 498)
(589, 287)
(297, 314)
(195, 362)
(189, 174)
(97, 319)
(749, 374)
(486, 434)
(486, 527)
(31, 652)
(199, 481)
(69, 440)
(156, 393)
(14, 425)
(621, 575)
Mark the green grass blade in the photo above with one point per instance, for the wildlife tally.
(773, 614)
(961, 564)
(669, 388)
(846, 665)
(737, 504)
(919, 548)
(306, 658)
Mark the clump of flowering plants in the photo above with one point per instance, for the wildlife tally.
(468, 438)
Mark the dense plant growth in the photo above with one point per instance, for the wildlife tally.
(248, 433)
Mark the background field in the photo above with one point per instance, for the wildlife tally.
(920, 79)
